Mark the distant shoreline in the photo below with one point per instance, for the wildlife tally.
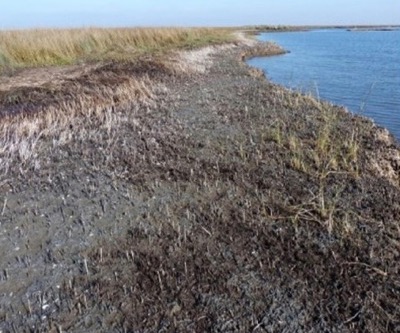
(374, 29)
(281, 28)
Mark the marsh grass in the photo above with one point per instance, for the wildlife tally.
(64, 119)
(226, 231)
(53, 47)
(61, 111)
(129, 65)
(323, 150)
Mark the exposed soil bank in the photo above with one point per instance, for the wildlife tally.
(220, 202)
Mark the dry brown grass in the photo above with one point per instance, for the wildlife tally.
(21, 134)
(39, 103)
(62, 109)
(43, 47)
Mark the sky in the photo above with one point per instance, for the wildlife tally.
(81, 13)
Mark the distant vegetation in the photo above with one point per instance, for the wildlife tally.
(43, 47)
(255, 29)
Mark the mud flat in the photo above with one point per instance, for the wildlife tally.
(191, 195)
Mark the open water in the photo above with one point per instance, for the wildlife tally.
(357, 69)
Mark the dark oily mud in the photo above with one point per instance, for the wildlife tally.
(232, 206)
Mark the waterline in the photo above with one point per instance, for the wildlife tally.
(359, 70)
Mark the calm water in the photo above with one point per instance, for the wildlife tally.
(360, 70)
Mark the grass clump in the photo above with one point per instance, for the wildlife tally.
(51, 47)
(324, 149)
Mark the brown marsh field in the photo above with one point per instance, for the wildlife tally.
(151, 181)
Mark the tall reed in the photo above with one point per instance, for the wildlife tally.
(44, 47)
